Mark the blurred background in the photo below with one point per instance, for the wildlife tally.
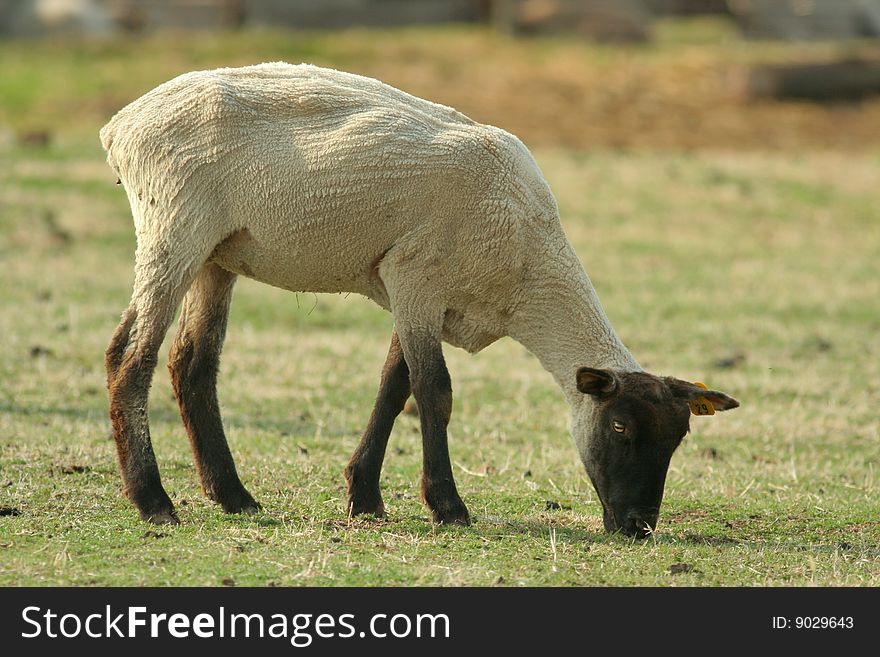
(656, 74)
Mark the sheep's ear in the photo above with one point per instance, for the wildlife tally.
(691, 391)
(599, 383)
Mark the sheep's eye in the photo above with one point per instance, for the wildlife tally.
(619, 427)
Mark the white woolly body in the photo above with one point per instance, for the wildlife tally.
(311, 179)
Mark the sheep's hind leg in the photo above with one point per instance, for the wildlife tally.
(118, 344)
(193, 364)
(365, 466)
(130, 360)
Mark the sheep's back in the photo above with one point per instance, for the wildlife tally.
(307, 111)
(325, 172)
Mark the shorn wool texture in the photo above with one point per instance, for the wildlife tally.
(310, 179)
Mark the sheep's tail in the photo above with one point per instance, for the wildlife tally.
(108, 135)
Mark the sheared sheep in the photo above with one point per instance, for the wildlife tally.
(311, 179)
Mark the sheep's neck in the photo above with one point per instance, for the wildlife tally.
(562, 322)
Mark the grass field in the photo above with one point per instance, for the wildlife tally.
(754, 271)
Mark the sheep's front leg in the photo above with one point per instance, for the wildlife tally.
(432, 388)
(365, 466)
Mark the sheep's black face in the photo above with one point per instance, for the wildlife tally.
(627, 437)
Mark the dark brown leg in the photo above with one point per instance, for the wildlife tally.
(193, 363)
(365, 466)
(130, 361)
(432, 389)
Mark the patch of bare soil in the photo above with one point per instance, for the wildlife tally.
(686, 516)
(680, 568)
(629, 99)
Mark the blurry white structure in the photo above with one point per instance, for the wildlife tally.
(28, 17)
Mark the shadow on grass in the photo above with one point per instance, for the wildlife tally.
(539, 529)
(80, 413)
(286, 427)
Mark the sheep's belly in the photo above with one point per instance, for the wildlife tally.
(346, 268)
(304, 265)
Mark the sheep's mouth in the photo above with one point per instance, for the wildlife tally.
(635, 526)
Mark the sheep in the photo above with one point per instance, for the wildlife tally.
(311, 179)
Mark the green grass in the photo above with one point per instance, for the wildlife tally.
(691, 269)
(769, 260)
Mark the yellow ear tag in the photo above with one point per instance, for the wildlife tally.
(701, 405)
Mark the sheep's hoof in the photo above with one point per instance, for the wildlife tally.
(459, 517)
(366, 506)
(248, 509)
(238, 502)
(154, 505)
(447, 510)
(364, 497)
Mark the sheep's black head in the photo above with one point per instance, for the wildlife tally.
(627, 436)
